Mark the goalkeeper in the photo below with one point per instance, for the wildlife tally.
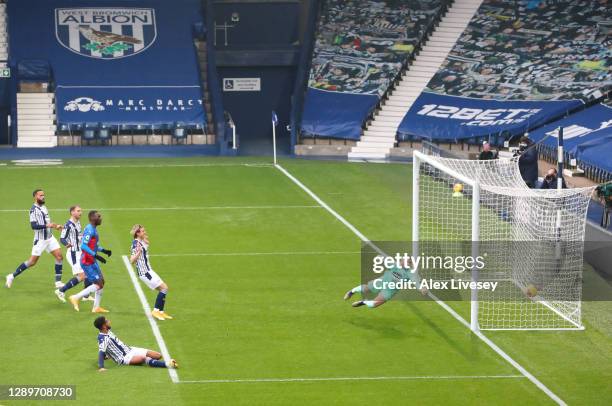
(395, 275)
(604, 192)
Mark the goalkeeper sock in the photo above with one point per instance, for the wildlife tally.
(98, 297)
(370, 303)
(58, 271)
(155, 363)
(70, 284)
(356, 289)
(21, 268)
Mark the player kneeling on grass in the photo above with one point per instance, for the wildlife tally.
(110, 346)
(395, 275)
(140, 256)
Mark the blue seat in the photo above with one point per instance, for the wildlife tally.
(103, 132)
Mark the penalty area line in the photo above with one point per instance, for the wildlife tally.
(445, 306)
(186, 208)
(147, 310)
(358, 378)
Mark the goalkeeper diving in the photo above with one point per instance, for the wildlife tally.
(388, 285)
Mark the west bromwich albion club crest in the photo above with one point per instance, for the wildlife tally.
(105, 33)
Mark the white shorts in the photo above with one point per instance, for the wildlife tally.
(74, 258)
(49, 245)
(135, 351)
(151, 279)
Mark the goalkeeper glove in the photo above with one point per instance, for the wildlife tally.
(107, 252)
(101, 259)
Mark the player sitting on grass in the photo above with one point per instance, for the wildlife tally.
(71, 239)
(43, 240)
(110, 346)
(394, 274)
(140, 256)
(89, 262)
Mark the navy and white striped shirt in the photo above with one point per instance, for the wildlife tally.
(143, 265)
(71, 234)
(112, 346)
(39, 217)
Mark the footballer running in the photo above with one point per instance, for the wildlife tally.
(110, 346)
(90, 246)
(43, 240)
(140, 256)
(71, 239)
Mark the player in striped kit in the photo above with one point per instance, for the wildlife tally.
(140, 256)
(110, 346)
(71, 239)
(43, 240)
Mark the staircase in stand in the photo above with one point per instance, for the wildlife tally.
(379, 136)
(36, 120)
(3, 36)
(202, 59)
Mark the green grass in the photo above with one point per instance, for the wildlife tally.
(263, 316)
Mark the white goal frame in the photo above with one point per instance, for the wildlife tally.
(418, 159)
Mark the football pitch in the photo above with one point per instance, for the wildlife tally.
(257, 268)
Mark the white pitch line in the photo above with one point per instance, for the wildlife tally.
(145, 306)
(254, 254)
(202, 165)
(478, 334)
(265, 207)
(359, 378)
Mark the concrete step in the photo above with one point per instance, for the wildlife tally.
(367, 155)
(35, 133)
(425, 63)
(386, 133)
(379, 144)
(370, 138)
(29, 126)
(385, 113)
(36, 117)
(35, 96)
(371, 149)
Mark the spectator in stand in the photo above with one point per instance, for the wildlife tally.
(528, 161)
(550, 180)
(486, 153)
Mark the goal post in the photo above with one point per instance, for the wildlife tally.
(484, 207)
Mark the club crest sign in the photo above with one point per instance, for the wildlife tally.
(105, 33)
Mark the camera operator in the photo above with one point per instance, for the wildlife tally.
(486, 152)
(528, 161)
(604, 192)
(550, 180)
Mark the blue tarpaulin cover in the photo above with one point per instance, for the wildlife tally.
(335, 114)
(591, 124)
(435, 116)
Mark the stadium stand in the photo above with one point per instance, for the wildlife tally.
(518, 65)
(113, 76)
(361, 47)
(3, 35)
(379, 136)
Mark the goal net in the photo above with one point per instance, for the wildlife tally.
(532, 240)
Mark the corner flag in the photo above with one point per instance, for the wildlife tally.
(274, 118)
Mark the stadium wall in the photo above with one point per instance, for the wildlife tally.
(257, 45)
